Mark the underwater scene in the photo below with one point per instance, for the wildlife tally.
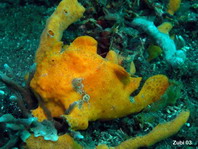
(98, 74)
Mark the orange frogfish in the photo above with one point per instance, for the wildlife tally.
(76, 83)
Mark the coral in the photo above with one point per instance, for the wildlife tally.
(45, 129)
(173, 6)
(64, 142)
(21, 129)
(173, 56)
(160, 132)
(16, 129)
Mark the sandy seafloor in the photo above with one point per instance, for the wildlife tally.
(21, 23)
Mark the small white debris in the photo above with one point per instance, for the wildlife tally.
(188, 124)
(77, 135)
(86, 98)
(8, 70)
(2, 93)
(13, 98)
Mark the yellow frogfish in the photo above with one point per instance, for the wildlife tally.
(74, 82)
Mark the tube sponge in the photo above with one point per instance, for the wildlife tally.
(67, 12)
(172, 55)
(160, 132)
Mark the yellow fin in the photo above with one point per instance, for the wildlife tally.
(134, 84)
(112, 56)
(121, 74)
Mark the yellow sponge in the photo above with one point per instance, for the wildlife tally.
(160, 132)
(64, 142)
(173, 6)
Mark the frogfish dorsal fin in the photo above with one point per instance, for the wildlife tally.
(121, 74)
